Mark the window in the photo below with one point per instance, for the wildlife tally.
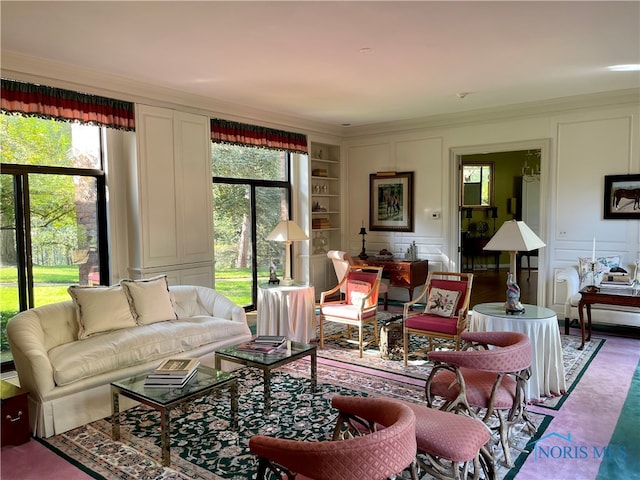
(52, 213)
(251, 194)
(477, 184)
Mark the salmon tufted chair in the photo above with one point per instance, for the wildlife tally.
(485, 382)
(374, 456)
(449, 446)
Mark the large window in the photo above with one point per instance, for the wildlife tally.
(251, 194)
(52, 213)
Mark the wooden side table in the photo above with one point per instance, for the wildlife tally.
(627, 297)
(15, 415)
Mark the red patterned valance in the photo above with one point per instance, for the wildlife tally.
(224, 131)
(55, 103)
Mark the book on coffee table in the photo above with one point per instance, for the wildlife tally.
(168, 381)
(261, 347)
(177, 367)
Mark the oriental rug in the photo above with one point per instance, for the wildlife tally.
(204, 447)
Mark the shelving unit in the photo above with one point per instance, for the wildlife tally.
(325, 214)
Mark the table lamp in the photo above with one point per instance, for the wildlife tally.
(287, 231)
(363, 254)
(514, 236)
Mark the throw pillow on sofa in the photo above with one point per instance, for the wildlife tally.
(602, 266)
(101, 309)
(150, 300)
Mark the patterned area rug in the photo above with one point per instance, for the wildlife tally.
(204, 447)
(338, 347)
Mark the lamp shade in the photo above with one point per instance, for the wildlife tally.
(287, 231)
(515, 236)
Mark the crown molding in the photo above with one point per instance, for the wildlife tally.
(508, 112)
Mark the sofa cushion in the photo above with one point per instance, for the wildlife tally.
(133, 346)
(150, 300)
(101, 309)
(602, 266)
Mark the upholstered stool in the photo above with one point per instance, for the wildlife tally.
(449, 444)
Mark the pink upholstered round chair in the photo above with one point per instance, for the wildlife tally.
(484, 382)
(373, 456)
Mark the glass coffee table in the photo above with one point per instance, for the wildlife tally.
(269, 361)
(165, 399)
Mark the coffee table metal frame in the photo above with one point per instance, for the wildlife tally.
(270, 361)
(165, 399)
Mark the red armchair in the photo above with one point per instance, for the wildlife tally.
(447, 296)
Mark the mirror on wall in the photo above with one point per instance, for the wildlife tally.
(477, 184)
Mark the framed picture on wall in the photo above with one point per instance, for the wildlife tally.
(391, 195)
(622, 196)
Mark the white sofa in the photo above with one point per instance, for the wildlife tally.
(68, 377)
(600, 313)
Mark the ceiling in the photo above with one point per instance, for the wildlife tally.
(355, 63)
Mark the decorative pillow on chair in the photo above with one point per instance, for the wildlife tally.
(602, 266)
(101, 309)
(150, 300)
(442, 302)
(357, 290)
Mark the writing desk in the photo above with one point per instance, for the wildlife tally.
(407, 274)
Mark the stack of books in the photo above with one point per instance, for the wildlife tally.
(264, 344)
(173, 373)
(616, 279)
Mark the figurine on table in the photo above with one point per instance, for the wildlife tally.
(272, 275)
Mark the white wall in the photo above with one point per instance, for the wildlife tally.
(585, 145)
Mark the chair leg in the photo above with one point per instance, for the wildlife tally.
(321, 321)
(360, 339)
(386, 301)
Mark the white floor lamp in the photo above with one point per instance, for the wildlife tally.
(287, 231)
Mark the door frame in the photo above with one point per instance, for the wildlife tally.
(455, 157)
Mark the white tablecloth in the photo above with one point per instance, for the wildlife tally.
(540, 324)
(288, 311)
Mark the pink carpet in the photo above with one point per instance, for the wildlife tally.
(34, 461)
(588, 416)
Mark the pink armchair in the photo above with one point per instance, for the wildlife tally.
(374, 456)
(341, 262)
(483, 382)
(358, 307)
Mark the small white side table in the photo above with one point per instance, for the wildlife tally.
(287, 310)
(540, 324)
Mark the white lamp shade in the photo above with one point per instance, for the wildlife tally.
(287, 231)
(514, 236)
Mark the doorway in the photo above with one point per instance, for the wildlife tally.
(516, 191)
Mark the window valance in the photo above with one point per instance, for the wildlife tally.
(59, 104)
(224, 131)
